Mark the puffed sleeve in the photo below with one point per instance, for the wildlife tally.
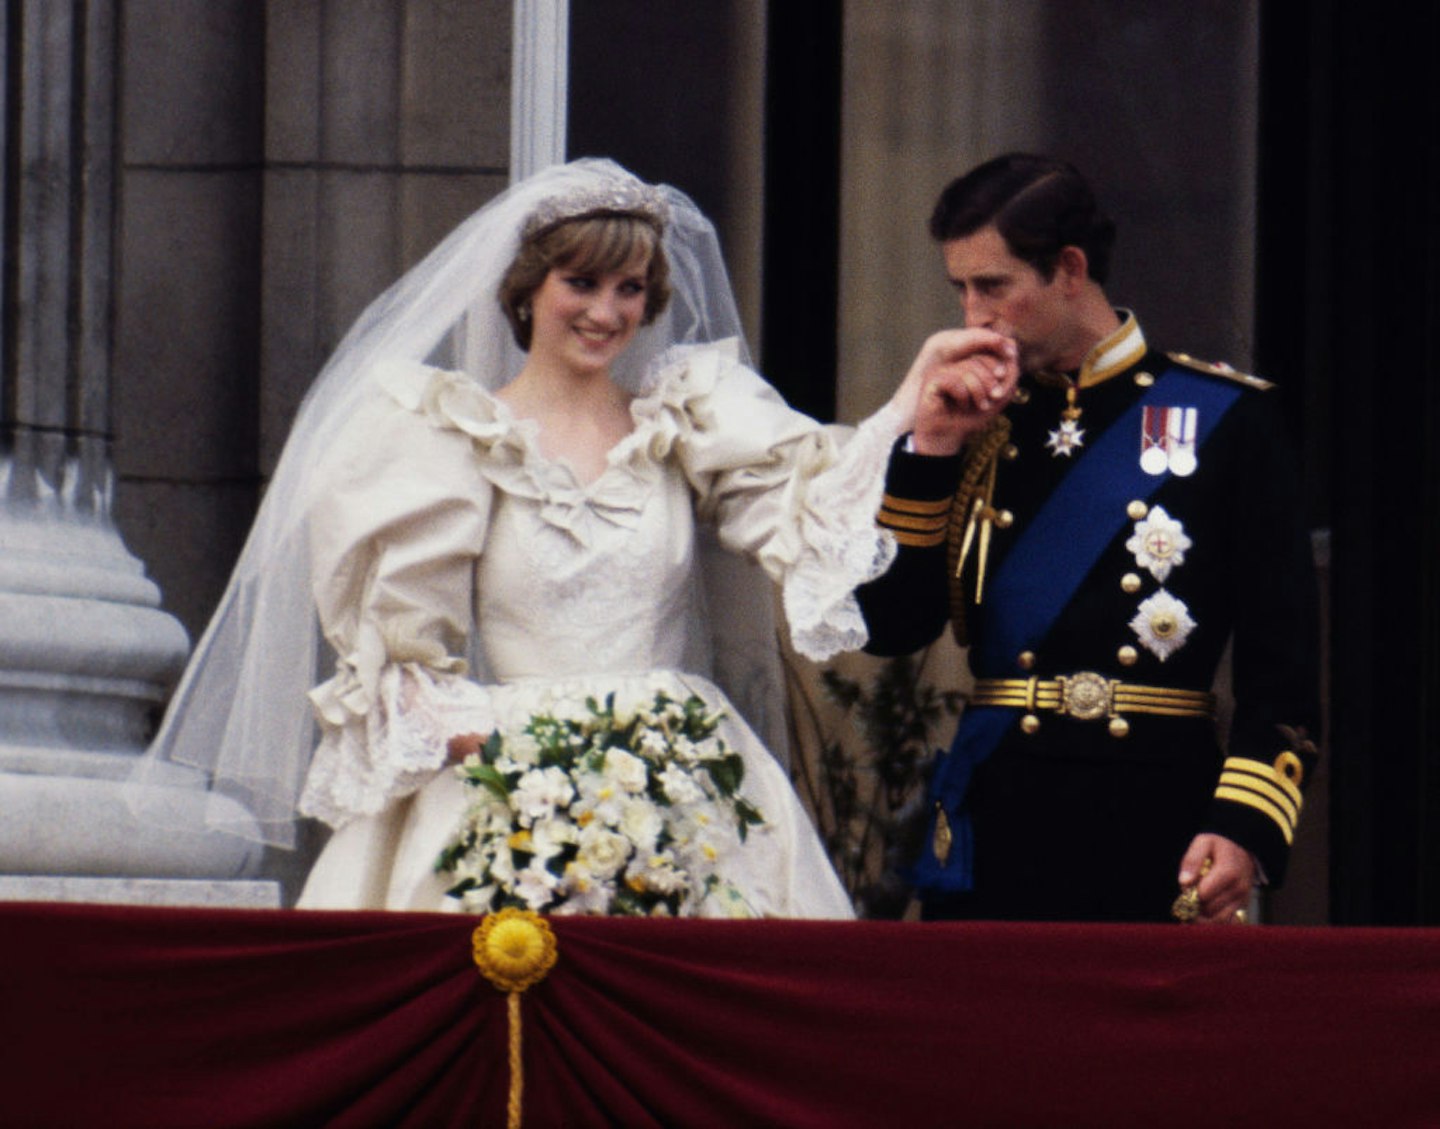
(394, 533)
(798, 497)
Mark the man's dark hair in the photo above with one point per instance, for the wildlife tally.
(1038, 204)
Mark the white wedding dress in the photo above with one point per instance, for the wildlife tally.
(443, 526)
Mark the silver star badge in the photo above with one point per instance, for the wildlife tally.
(1159, 543)
(1068, 438)
(1162, 623)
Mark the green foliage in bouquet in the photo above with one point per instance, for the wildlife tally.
(597, 809)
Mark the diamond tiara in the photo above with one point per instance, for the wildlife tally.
(617, 198)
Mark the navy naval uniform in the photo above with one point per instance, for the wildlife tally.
(1120, 524)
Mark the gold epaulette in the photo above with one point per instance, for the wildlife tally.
(976, 481)
(1223, 371)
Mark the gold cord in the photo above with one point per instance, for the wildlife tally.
(514, 949)
(513, 1106)
(971, 511)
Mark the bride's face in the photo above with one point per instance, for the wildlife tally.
(584, 320)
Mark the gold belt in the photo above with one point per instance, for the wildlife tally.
(1088, 696)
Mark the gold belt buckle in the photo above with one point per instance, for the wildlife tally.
(1086, 696)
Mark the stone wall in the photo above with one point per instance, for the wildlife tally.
(281, 163)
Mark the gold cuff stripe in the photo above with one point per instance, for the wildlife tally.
(1260, 804)
(918, 540)
(905, 521)
(1266, 772)
(938, 508)
(1264, 788)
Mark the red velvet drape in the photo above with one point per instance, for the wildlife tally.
(164, 1017)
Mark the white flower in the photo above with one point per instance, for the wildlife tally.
(548, 837)
(602, 851)
(478, 900)
(661, 874)
(654, 744)
(641, 823)
(584, 893)
(522, 749)
(706, 749)
(536, 885)
(600, 799)
(680, 786)
(540, 791)
(627, 770)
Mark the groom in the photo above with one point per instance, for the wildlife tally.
(1097, 538)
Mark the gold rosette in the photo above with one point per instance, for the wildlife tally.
(514, 950)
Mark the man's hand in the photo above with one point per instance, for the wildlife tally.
(1226, 887)
(959, 381)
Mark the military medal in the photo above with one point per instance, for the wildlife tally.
(1180, 441)
(1158, 543)
(1167, 440)
(1162, 624)
(1152, 441)
(1069, 437)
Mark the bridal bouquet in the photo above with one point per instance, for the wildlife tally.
(602, 810)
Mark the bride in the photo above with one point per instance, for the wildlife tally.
(497, 489)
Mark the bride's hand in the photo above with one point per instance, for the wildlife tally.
(464, 745)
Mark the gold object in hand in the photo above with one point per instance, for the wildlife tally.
(1186, 908)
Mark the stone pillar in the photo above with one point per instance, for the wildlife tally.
(87, 657)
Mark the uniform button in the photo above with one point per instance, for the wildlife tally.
(1119, 727)
(1029, 724)
(1010, 453)
(1144, 379)
(1022, 396)
(1127, 656)
(1004, 519)
(1130, 582)
(1026, 659)
(1136, 510)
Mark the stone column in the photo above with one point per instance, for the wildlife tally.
(87, 657)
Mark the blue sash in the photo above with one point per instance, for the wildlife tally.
(1036, 581)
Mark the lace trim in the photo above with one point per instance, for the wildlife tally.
(371, 754)
(843, 546)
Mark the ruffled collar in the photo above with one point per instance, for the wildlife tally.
(670, 406)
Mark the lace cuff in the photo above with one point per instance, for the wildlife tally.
(844, 547)
(374, 751)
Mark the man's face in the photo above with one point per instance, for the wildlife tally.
(1000, 292)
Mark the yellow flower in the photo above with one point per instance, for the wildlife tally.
(514, 949)
(520, 840)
